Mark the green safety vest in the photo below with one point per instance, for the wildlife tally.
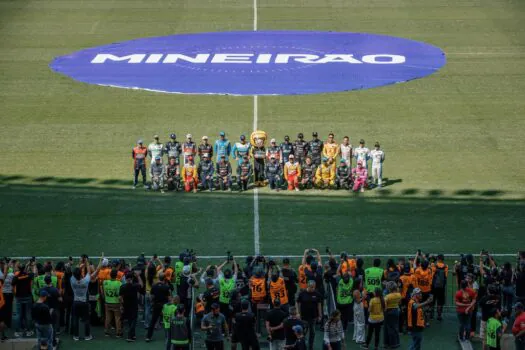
(226, 287)
(344, 292)
(373, 276)
(492, 332)
(112, 291)
(179, 265)
(179, 331)
(41, 283)
(168, 310)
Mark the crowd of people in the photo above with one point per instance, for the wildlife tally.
(293, 165)
(340, 298)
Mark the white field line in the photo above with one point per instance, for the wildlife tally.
(256, 232)
(447, 255)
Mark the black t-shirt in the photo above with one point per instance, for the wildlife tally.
(129, 292)
(40, 314)
(52, 297)
(290, 280)
(275, 317)
(520, 284)
(300, 344)
(211, 296)
(245, 325)
(289, 334)
(309, 304)
(182, 288)
(487, 303)
(161, 292)
(22, 282)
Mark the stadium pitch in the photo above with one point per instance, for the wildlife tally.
(453, 140)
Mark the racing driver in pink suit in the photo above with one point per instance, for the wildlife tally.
(360, 175)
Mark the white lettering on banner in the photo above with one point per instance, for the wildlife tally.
(232, 58)
(174, 57)
(302, 58)
(249, 58)
(394, 59)
(102, 57)
(338, 58)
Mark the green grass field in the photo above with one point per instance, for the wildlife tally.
(453, 140)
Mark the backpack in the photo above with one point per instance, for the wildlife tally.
(439, 278)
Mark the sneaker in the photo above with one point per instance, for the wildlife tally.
(119, 336)
(18, 334)
(133, 187)
(147, 340)
(195, 191)
(29, 334)
(76, 338)
(296, 190)
(130, 340)
(362, 189)
(88, 338)
(107, 334)
(161, 191)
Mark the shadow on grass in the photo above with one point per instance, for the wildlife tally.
(385, 192)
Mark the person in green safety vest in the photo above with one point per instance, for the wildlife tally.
(344, 298)
(373, 276)
(180, 330)
(179, 265)
(111, 290)
(495, 329)
(168, 311)
(227, 285)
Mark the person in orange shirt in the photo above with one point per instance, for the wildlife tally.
(439, 284)
(258, 290)
(292, 173)
(189, 173)
(139, 154)
(423, 275)
(408, 283)
(278, 290)
(331, 149)
(347, 264)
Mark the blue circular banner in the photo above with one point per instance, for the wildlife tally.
(254, 63)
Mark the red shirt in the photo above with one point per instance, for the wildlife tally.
(465, 297)
(519, 324)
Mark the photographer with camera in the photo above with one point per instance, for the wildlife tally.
(227, 285)
(188, 282)
(290, 280)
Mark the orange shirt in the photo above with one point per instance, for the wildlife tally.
(103, 274)
(406, 281)
(2, 300)
(423, 279)
(258, 288)
(441, 266)
(302, 276)
(278, 289)
(349, 265)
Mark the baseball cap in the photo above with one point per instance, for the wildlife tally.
(287, 137)
(155, 136)
(314, 133)
(222, 133)
(291, 156)
(376, 144)
(188, 136)
(43, 294)
(416, 291)
(362, 141)
(205, 137)
(272, 141)
(243, 137)
(518, 306)
(186, 270)
(158, 158)
(140, 142)
(105, 262)
(214, 306)
(173, 136)
(342, 161)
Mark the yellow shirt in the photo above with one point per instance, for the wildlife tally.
(392, 300)
(331, 150)
(376, 310)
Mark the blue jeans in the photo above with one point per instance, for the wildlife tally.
(44, 334)
(23, 314)
(464, 325)
(508, 298)
(147, 310)
(206, 184)
(417, 339)
(274, 182)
